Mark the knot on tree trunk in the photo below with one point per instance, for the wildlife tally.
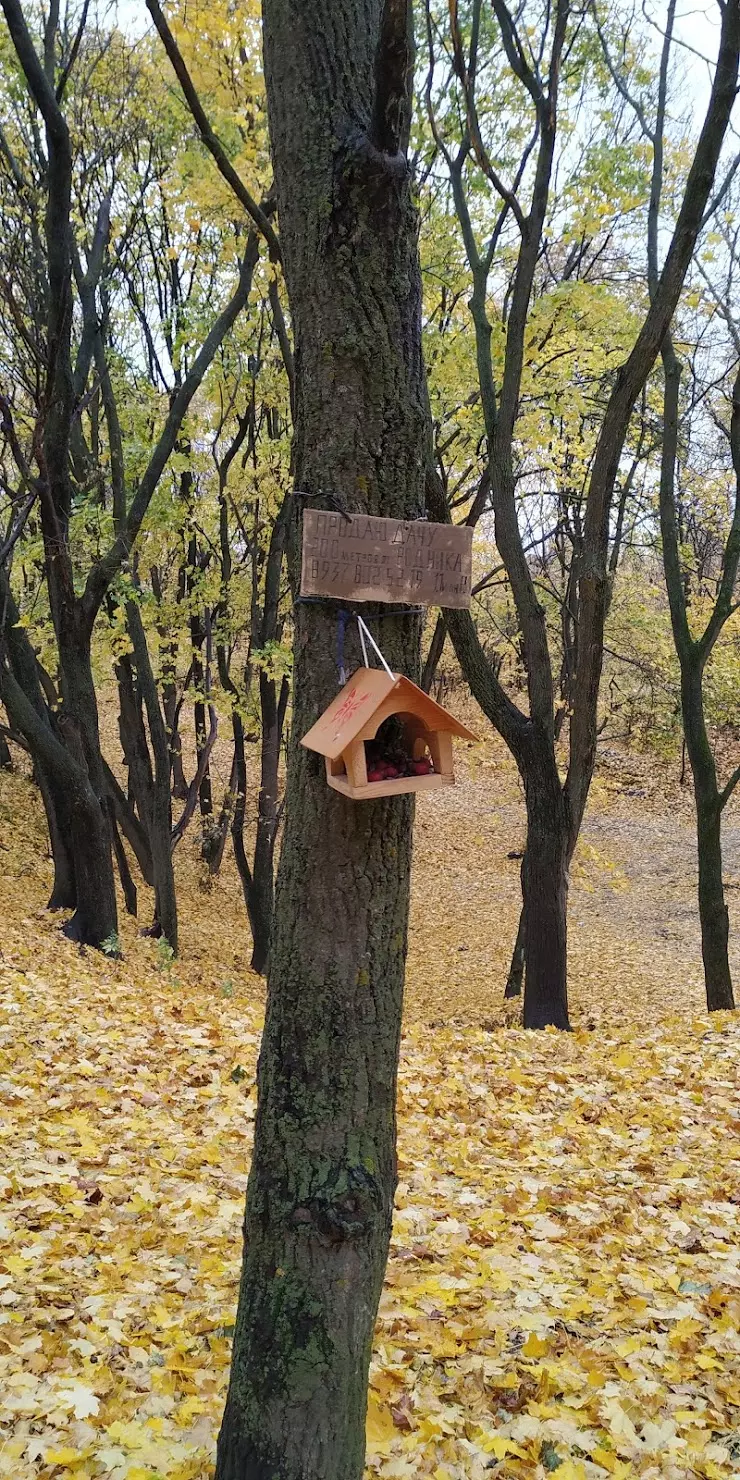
(345, 1208)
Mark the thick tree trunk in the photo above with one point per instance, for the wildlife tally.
(320, 1198)
(96, 916)
(91, 843)
(53, 794)
(132, 734)
(545, 890)
(713, 912)
(64, 890)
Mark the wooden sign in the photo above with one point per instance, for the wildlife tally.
(362, 558)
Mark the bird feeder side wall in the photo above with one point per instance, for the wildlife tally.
(440, 748)
(355, 763)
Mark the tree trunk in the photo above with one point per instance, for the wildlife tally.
(124, 872)
(257, 880)
(692, 655)
(160, 803)
(713, 912)
(53, 793)
(168, 681)
(545, 891)
(320, 1197)
(91, 842)
(515, 978)
(267, 824)
(434, 656)
(64, 890)
(130, 825)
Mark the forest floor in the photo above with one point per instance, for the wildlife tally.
(564, 1286)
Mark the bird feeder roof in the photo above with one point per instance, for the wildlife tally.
(356, 704)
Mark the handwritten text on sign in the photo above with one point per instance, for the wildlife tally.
(368, 559)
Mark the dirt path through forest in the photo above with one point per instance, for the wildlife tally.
(633, 911)
(634, 932)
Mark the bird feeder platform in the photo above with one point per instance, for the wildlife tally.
(346, 733)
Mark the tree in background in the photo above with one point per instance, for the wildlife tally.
(534, 66)
(65, 420)
(698, 557)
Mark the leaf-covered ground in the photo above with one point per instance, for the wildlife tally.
(564, 1287)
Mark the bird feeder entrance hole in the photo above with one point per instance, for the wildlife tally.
(383, 736)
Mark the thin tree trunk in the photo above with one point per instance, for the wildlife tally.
(130, 825)
(124, 872)
(320, 1197)
(160, 810)
(258, 892)
(267, 823)
(434, 656)
(515, 978)
(220, 831)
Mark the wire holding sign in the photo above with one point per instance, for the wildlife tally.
(363, 558)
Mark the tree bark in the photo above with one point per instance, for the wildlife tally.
(320, 1197)
(692, 656)
(23, 663)
(160, 803)
(713, 912)
(545, 893)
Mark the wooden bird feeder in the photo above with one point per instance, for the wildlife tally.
(347, 736)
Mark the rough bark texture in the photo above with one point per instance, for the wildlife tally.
(22, 661)
(713, 912)
(321, 1188)
(545, 893)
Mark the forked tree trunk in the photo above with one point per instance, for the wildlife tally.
(320, 1197)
